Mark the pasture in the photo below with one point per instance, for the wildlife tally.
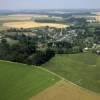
(82, 69)
(26, 82)
(21, 82)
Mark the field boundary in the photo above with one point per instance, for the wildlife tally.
(62, 78)
(53, 73)
(64, 91)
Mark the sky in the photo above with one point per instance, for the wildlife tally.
(49, 4)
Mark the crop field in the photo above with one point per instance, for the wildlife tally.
(35, 16)
(29, 15)
(82, 69)
(21, 17)
(21, 82)
(94, 24)
(96, 18)
(26, 82)
(15, 18)
(31, 24)
(63, 90)
(26, 21)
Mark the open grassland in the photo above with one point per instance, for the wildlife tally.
(11, 41)
(24, 82)
(30, 24)
(20, 82)
(63, 90)
(82, 69)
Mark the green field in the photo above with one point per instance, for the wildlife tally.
(81, 69)
(21, 82)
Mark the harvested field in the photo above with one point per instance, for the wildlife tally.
(66, 91)
(97, 18)
(31, 24)
(15, 18)
(31, 15)
(21, 17)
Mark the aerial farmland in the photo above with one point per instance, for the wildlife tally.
(49, 50)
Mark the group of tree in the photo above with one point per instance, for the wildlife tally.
(64, 47)
(24, 52)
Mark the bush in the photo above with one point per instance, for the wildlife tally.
(40, 57)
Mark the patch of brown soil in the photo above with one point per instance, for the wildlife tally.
(65, 91)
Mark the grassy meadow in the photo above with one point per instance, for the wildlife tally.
(82, 69)
(21, 82)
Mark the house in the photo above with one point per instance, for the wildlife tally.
(85, 49)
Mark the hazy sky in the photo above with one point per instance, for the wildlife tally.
(48, 4)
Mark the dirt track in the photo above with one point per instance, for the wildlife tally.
(65, 91)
